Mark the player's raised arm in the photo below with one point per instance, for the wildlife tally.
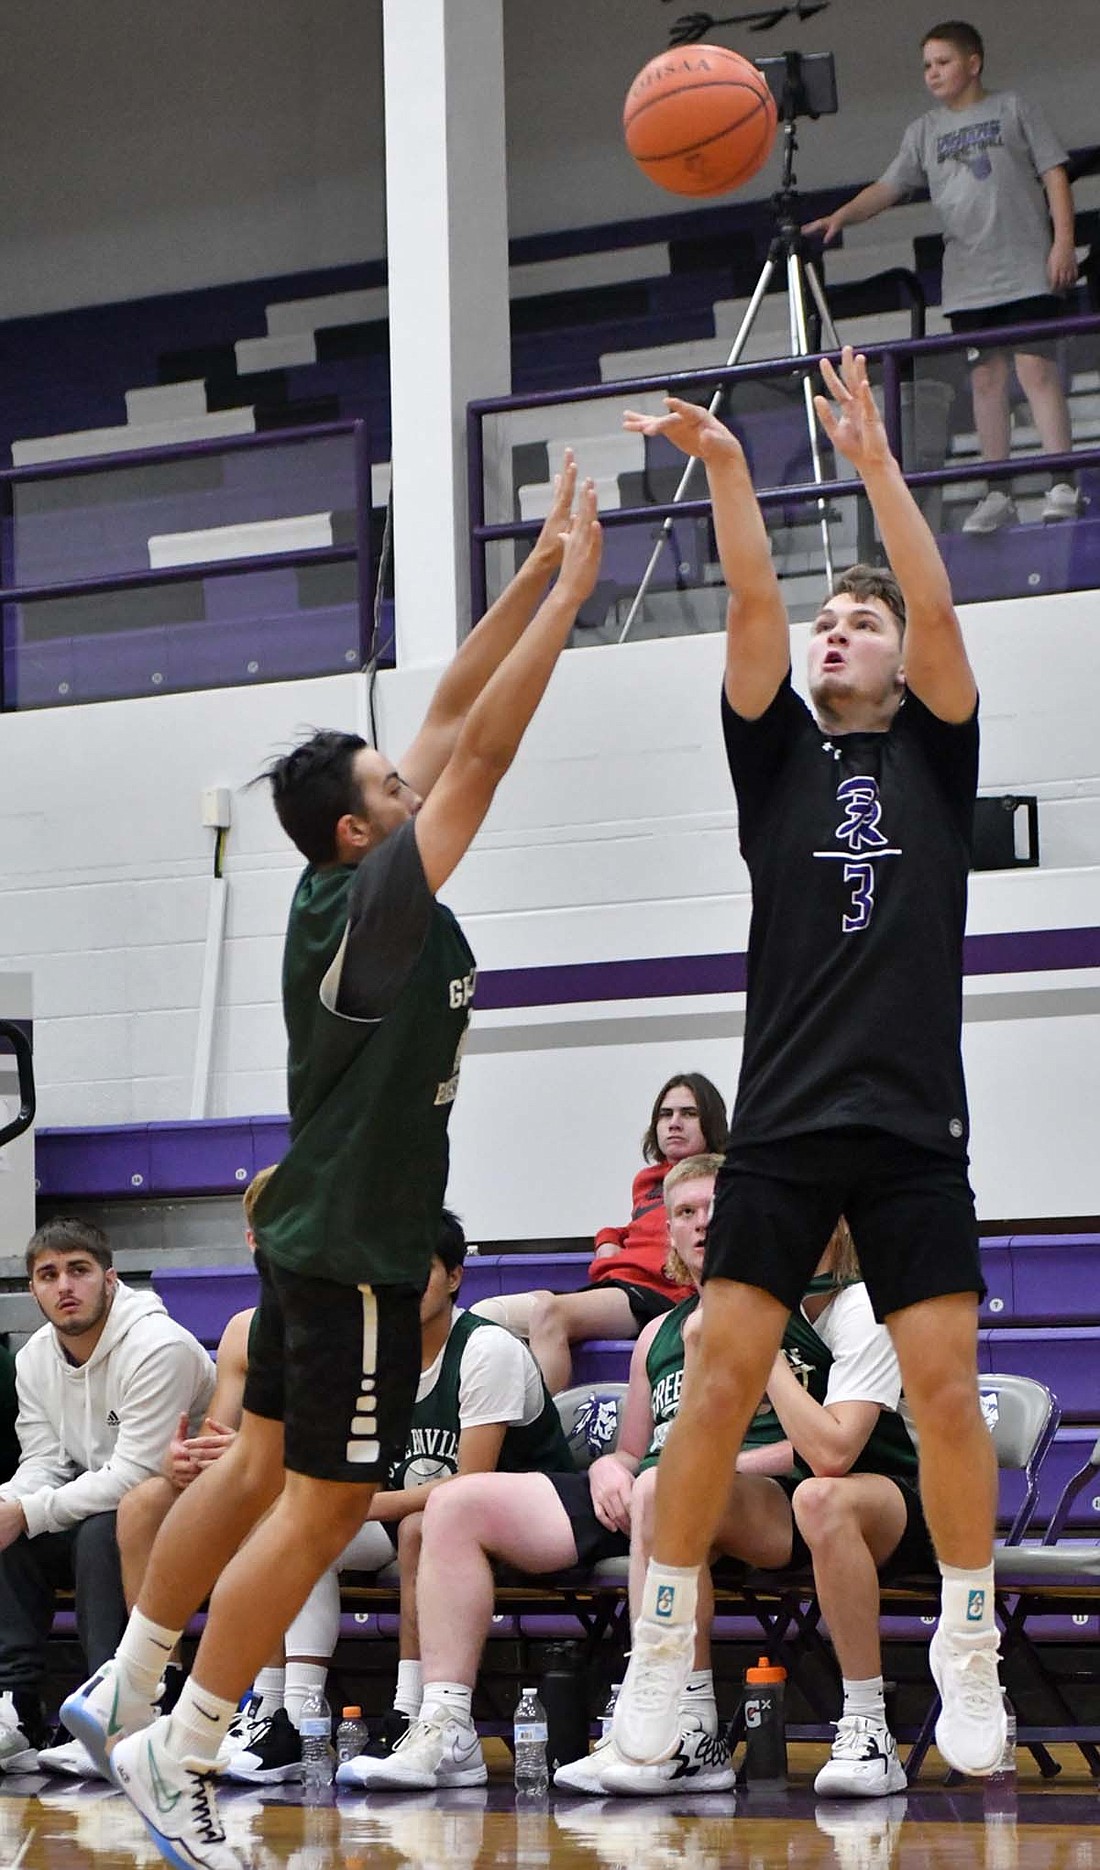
(489, 642)
(758, 649)
(936, 665)
(489, 738)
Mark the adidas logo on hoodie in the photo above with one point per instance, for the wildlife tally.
(112, 1418)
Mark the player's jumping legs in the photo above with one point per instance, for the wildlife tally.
(739, 1335)
(936, 1342)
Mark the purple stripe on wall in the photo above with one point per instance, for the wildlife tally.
(674, 976)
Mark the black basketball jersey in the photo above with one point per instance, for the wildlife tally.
(858, 847)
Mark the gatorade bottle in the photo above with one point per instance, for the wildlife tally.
(765, 1730)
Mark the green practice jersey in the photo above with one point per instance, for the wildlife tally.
(377, 982)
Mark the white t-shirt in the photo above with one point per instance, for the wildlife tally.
(865, 1365)
(498, 1378)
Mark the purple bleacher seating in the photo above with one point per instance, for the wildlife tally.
(1068, 1453)
(1056, 1278)
(205, 1299)
(997, 1266)
(1030, 559)
(1063, 1357)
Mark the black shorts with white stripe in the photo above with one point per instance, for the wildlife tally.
(339, 1367)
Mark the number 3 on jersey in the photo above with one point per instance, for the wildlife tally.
(862, 879)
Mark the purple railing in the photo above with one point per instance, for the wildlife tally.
(893, 357)
(357, 552)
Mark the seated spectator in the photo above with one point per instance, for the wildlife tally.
(102, 1385)
(627, 1285)
(481, 1405)
(848, 1503)
(143, 1510)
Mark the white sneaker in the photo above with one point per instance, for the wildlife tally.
(864, 1763)
(864, 1837)
(71, 1759)
(701, 1763)
(991, 513)
(970, 1731)
(175, 1798)
(18, 1754)
(646, 1723)
(104, 1709)
(432, 1753)
(1062, 502)
(586, 1774)
(241, 1732)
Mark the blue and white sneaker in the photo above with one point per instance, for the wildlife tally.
(175, 1799)
(103, 1710)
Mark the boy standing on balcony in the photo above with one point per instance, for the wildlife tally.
(982, 155)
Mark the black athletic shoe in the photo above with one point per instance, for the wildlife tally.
(274, 1755)
(391, 1728)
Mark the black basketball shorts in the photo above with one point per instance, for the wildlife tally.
(911, 1212)
(339, 1367)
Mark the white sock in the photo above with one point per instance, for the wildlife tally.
(145, 1649)
(409, 1692)
(269, 1685)
(866, 1698)
(198, 1723)
(453, 1699)
(968, 1601)
(301, 1679)
(668, 1598)
(698, 1700)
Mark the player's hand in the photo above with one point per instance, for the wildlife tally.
(611, 1487)
(209, 1447)
(691, 428)
(12, 1523)
(1062, 266)
(829, 226)
(548, 546)
(582, 548)
(851, 419)
(609, 1248)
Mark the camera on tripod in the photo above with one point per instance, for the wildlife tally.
(803, 84)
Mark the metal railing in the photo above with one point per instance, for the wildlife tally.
(357, 552)
(896, 358)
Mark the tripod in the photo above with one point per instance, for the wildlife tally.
(786, 249)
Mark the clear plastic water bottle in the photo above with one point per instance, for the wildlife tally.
(318, 1755)
(608, 1714)
(1006, 1767)
(529, 1735)
(351, 1735)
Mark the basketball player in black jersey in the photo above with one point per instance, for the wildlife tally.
(855, 823)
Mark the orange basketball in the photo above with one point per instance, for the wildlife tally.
(699, 120)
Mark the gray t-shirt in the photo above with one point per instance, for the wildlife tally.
(981, 166)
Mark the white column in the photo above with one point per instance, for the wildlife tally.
(447, 243)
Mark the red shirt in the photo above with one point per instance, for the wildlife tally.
(642, 1245)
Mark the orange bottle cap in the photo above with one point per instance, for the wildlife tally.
(353, 1714)
(766, 1671)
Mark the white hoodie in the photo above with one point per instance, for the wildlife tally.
(89, 1432)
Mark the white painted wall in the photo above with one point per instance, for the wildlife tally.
(612, 838)
(148, 148)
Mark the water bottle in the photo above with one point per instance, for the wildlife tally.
(351, 1735)
(1006, 1766)
(608, 1714)
(315, 1728)
(564, 1694)
(529, 1744)
(765, 1731)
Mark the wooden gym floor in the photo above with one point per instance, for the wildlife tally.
(62, 1825)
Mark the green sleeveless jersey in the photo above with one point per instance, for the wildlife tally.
(888, 1449)
(431, 1451)
(357, 1197)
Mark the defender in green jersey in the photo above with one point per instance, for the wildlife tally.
(377, 983)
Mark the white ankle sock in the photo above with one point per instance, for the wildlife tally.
(300, 1680)
(450, 1698)
(409, 1692)
(968, 1601)
(866, 1698)
(198, 1723)
(269, 1685)
(670, 1592)
(698, 1699)
(143, 1652)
